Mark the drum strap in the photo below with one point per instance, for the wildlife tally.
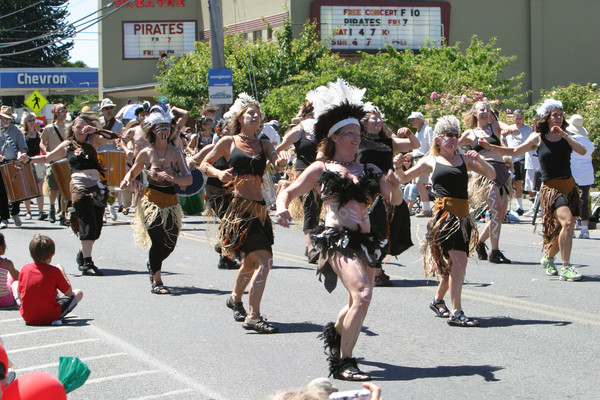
(108, 126)
(57, 132)
(8, 141)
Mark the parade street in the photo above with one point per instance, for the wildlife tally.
(538, 336)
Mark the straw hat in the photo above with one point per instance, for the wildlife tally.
(6, 112)
(107, 103)
(88, 112)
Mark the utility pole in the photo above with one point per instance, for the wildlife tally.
(217, 53)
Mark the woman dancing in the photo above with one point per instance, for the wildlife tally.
(559, 194)
(377, 146)
(452, 231)
(35, 147)
(245, 231)
(88, 193)
(493, 192)
(347, 247)
(158, 217)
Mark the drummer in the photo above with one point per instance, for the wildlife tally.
(159, 216)
(12, 147)
(88, 193)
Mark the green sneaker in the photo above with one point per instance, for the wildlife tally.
(570, 274)
(548, 264)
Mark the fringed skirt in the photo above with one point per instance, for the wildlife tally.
(555, 193)
(156, 204)
(352, 244)
(450, 228)
(245, 227)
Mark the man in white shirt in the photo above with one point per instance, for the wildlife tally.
(518, 161)
(424, 133)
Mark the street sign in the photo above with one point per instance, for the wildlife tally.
(220, 86)
(36, 101)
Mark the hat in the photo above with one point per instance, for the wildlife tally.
(106, 103)
(87, 111)
(144, 107)
(415, 115)
(6, 112)
(209, 107)
(274, 122)
(575, 126)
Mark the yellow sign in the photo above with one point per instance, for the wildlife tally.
(36, 101)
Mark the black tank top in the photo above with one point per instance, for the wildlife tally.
(306, 152)
(376, 151)
(33, 145)
(220, 164)
(449, 181)
(243, 164)
(492, 139)
(83, 157)
(555, 158)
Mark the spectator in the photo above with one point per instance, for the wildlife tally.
(424, 133)
(9, 277)
(514, 140)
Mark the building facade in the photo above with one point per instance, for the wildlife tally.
(554, 40)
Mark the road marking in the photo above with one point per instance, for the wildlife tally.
(121, 376)
(154, 362)
(54, 328)
(84, 359)
(47, 346)
(158, 396)
(11, 320)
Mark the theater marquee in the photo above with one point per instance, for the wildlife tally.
(152, 39)
(350, 26)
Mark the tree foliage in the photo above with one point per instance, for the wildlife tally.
(279, 72)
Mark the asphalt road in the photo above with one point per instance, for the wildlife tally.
(539, 335)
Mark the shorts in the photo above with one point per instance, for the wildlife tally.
(52, 185)
(67, 304)
(519, 167)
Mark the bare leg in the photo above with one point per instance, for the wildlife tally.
(565, 238)
(86, 248)
(263, 261)
(457, 278)
(243, 277)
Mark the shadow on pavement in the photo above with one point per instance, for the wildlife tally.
(74, 321)
(413, 283)
(297, 327)
(119, 272)
(389, 372)
(184, 290)
(500, 322)
(293, 267)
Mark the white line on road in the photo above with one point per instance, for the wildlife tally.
(54, 328)
(50, 365)
(121, 376)
(11, 320)
(158, 396)
(47, 346)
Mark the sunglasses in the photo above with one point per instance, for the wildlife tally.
(108, 108)
(455, 135)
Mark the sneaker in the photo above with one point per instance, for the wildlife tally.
(585, 234)
(10, 377)
(529, 213)
(42, 216)
(17, 220)
(548, 263)
(52, 217)
(481, 250)
(3, 224)
(113, 213)
(239, 312)
(570, 274)
(496, 257)
(28, 216)
(227, 263)
(259, 325)
(520, 211)
(425, 214)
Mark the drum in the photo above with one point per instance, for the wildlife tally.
(113, 162)
(192, 205)
(19, 181)
(62, 176)
(196, 186)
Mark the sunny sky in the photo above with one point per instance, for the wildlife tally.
(86, 42)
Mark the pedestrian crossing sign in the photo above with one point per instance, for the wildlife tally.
(36, 101)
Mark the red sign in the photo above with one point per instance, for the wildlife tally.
(152, 3)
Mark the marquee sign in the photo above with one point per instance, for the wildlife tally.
(152, 39)
(350, 26)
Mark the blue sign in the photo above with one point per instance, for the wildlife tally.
(220, 86)
(48, 78)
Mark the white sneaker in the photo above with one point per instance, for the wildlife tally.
(529, 213)
(113, 213)
(585, 234)
(3, 224)
(17, 220)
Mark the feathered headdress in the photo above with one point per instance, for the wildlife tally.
(243, 100)
(547, 105)
(158, 115)
(372, 108)
(336, 105)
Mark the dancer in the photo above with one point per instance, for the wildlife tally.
(494, 193)
(377, 146)
(159, 216)
(559, 196)
(347, 247)
(245, 231)
(452, 231)
(303, 139)
(88, 193)
(35, 147)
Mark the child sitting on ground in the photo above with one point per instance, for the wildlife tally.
(38, 283)
(8, 277)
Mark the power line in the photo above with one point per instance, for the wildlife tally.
(22, 9)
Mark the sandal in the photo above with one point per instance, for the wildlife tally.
(259, 325)
(239, 312)
(331, 340)
(347, 370)
(461, 319)
(159, 288)
(440, 312)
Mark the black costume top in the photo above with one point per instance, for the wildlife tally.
(33, 145)
(555, 158)
(82, 156)
(344, 189)
(449, 181)
(378, 152)
(306, 151)
(492, 139)
(220, 164)
(243, 164)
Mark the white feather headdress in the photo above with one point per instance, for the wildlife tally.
(372, 108)
(547, 105)
(158, 115)
(243, 100)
